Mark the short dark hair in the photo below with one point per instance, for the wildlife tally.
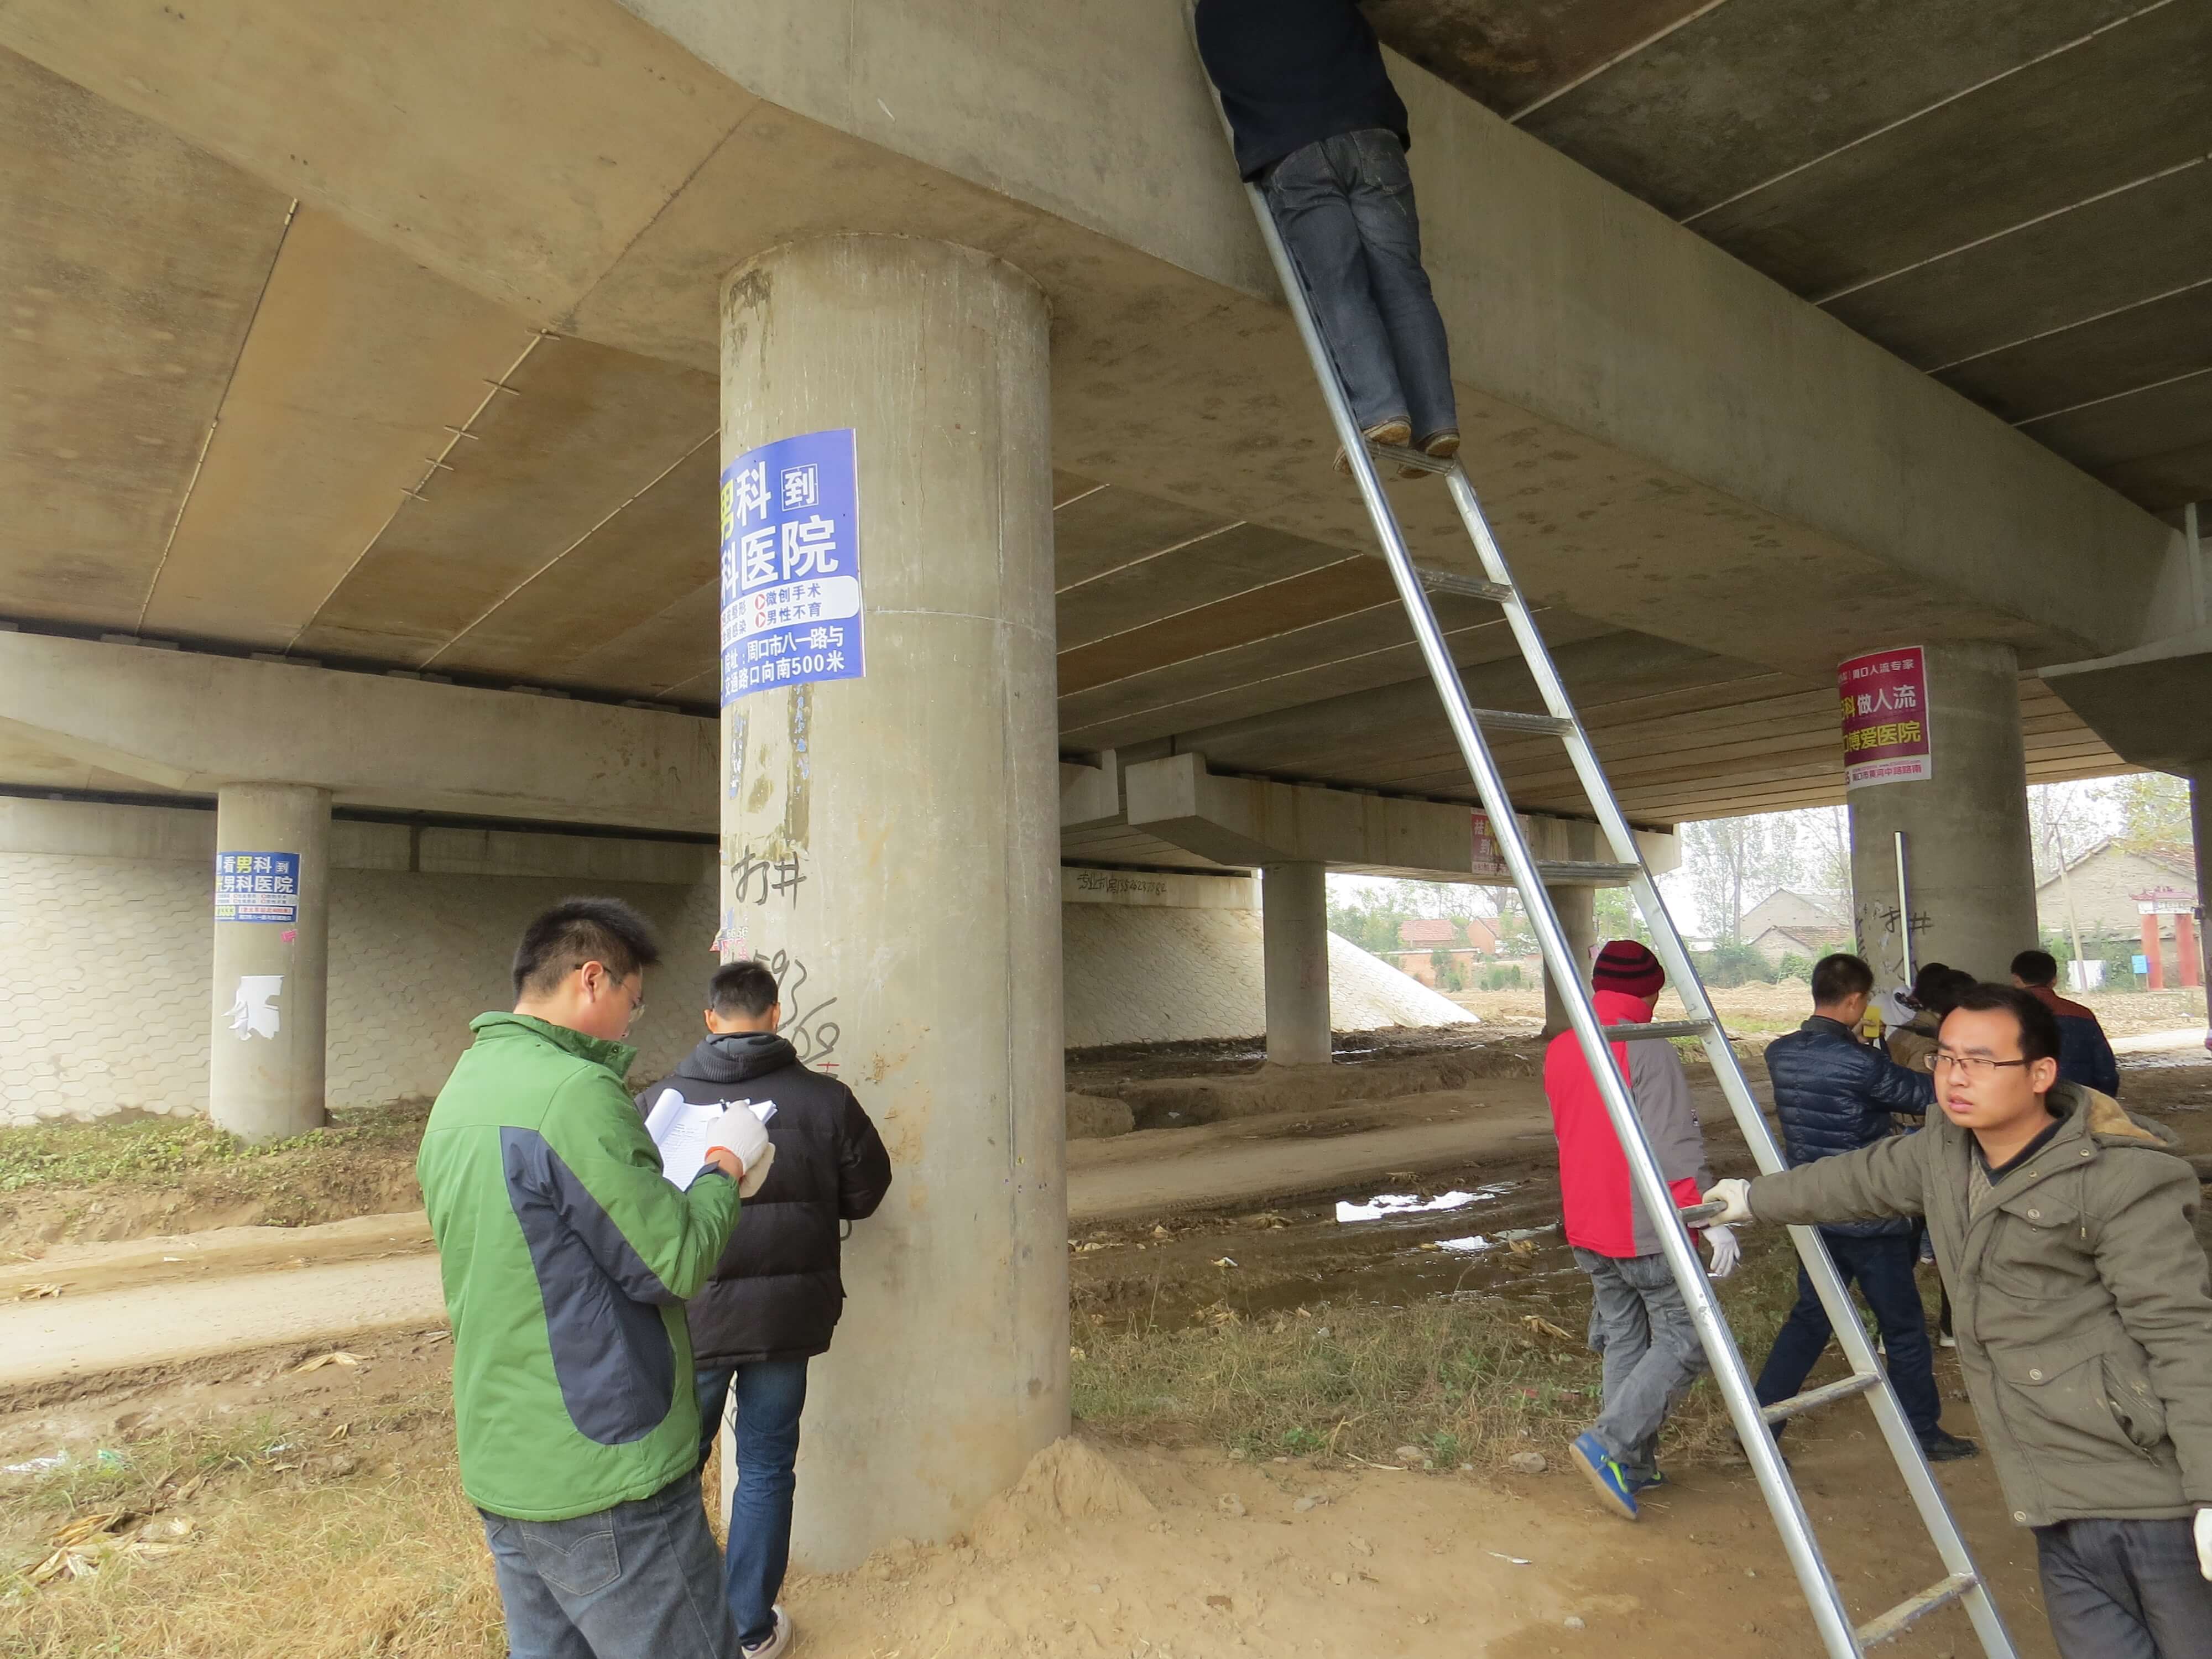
(2038, 1026)
(581, 930)
(742, 990)
(1929, 979)
(2035, 968)
(1839, 976)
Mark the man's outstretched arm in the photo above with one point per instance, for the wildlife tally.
(1884, 1179)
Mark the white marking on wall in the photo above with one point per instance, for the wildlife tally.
(255, 1012)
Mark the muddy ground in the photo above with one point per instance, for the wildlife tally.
(329, 1523)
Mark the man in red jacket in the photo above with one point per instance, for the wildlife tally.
(1640, 1322)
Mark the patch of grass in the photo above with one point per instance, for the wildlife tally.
(295, 1554)
(1466, 1380)
(156, 1151)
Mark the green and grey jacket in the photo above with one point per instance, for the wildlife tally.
(2079, 1297)
(567, 1259)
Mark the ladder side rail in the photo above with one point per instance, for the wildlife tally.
(1830, 1616)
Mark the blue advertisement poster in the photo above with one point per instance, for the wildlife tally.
(256, 887)
(791, 564)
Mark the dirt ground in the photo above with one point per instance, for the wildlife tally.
(329, 1522)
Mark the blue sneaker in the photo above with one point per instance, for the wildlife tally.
(1605, 1472)
(1645, 1482)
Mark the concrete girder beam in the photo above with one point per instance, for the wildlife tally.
(1252, 821)
(2148, 704)
(191, 722)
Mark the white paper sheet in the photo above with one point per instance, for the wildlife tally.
(683, 1130)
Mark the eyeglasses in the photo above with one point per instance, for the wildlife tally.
(636, 997)
(1974, 1065)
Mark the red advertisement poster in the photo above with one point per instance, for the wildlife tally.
(1884, 700)
(1488, 864)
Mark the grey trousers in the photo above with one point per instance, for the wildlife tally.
(2124, 1589)
(639, 1581)
(1640, 1326)
(1344, 206)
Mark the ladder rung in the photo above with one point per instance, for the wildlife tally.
(1419, 459)
(1577, 874)
(1510, 720)
(1465, 587)
(1914, 1609)
(1665, 1028)
(1813, 1398)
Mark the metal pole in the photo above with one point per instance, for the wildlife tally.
(1905, 911)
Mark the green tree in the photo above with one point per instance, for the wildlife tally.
(2154, 812)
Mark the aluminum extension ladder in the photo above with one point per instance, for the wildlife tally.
(1754, 1424)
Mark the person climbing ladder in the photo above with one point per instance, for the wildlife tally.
(1322, 131)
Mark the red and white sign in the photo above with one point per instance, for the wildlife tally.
(1488, 863)
(1884, 699)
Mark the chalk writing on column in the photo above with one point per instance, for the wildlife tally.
(804, 1027)
(754, 880)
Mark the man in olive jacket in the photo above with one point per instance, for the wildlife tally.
(2065, 1229)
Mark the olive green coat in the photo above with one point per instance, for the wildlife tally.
(2079, 1296)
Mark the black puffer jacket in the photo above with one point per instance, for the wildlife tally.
(777, 1292)
(1835, 1094)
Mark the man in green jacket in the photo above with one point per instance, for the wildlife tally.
(2083, 1310)
(567, 1256)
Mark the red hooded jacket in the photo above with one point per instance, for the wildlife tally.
(1603, 1211)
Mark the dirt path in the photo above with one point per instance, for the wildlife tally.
(170, 1300)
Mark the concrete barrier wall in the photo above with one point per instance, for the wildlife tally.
(107, 911)
(108, 914)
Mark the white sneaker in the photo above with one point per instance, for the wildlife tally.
(1945, 1339)
(778, 1642)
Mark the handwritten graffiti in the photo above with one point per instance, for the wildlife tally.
(754, 880)
(804, 1027)
(1881, 936)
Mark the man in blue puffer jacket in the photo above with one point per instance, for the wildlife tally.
(1835, 1094)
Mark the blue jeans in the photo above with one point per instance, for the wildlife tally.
(1640, 1327)
(1344, 206)
(764, 1428)
(635, 1581)
(1883, 1269)
(2124, 1589)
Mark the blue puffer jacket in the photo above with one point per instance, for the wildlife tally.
(1835, 1094)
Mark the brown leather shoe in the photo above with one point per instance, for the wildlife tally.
(1442, 446)
(1397, 434)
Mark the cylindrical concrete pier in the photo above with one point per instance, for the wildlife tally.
(272, 936)
(891, 845)
(1577, 912)
(1294, 951)
(1969, 872)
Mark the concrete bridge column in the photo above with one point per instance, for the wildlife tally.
(1294, 934)
(272, 936)
(1969, 869)
(2200, 825)
(1577, 912)
(890, 846)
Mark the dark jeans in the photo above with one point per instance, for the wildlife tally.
(766, 1399)
(2124, 1589)
(635, 1581)
(1345, 208)
(1882, 1268)
(1640, 1327)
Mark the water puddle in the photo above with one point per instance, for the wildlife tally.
(1405, 1204)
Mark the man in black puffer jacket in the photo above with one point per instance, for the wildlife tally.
(775, 1298)
(1835, 1094)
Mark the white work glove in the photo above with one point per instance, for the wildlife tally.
(2204, 1542)
(744, 1137)
(1736, 1194)
(1726, 1251)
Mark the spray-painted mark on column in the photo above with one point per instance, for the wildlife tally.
(253, 1013)
(755, 879)
(803, 1026)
